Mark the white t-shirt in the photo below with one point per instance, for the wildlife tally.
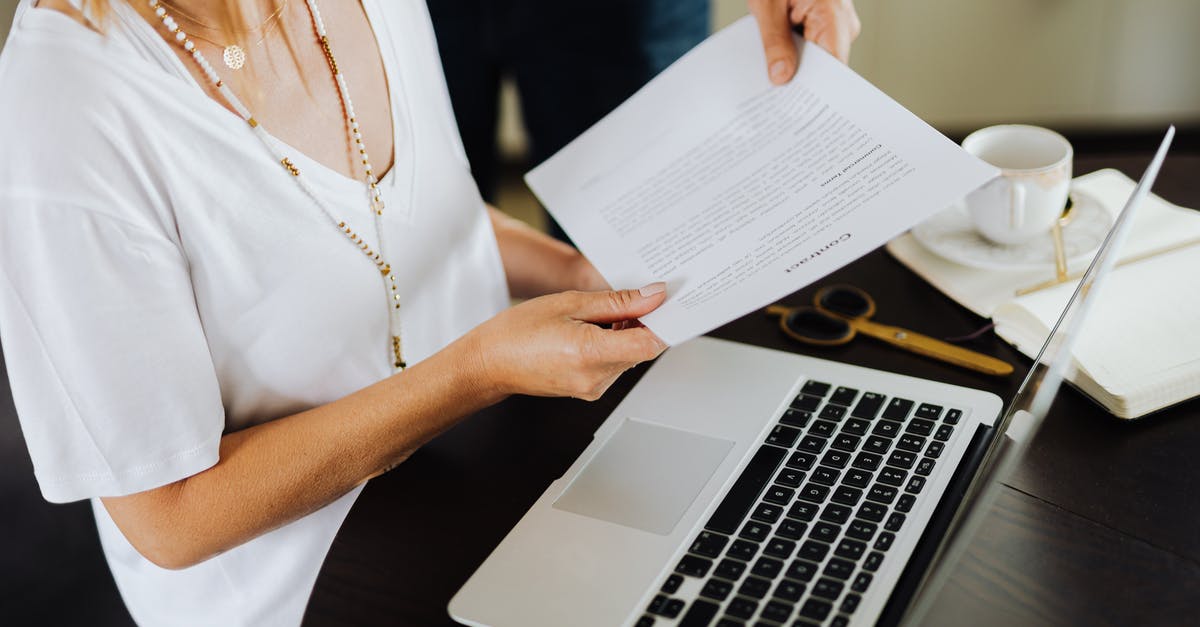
(163, 281)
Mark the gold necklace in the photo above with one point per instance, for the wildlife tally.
(233, 55)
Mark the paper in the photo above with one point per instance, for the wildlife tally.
(736, 192)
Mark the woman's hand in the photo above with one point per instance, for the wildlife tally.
(554, 345)
(831, 24)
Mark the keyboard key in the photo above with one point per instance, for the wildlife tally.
(693, 566)
(882, 493)
(935, 449)
(802, 511)
(898, 409)
(836, 513)
(920, 427)
(838, 459)
(884, 541)
(790, 477)
(827, 588)
(903, 459)
(814, 492)
(671, 585)
(856, 426)
(846, 442)
(806, 402)
(730, 622)
(894, 522)
(843, 396)
(766, 512)
(791, 529)
(801, 570)
(730, 569)
(825, 476)
(943, 433)
(816, 609)
(700, 613)
(709, 544)
(905, 502)
(826, 532)
(867, 461)
(716, 589)
(796, 417)
(789, 590)
(850, 603)
(863, 580)
(813, 550)
(745, 490)
(812, 444)
(823, 428)
(873, 512)
(832, 412)
(755, 531)
(783, 436)
(777, 611)
(755, 587)
(839, 568)
(644, 621)
(877, 444)
(868, 406)
(862, 529)
(874, 559)
(767, 568)
(840, 620)
(657, 604)
(801, 460)
(929, 411)
(779, 547)
(850, 549)
(779, 495)
(672, 608)
(743, 550)
(952, 417)
(742, 607)
(915, 485)
(910, 442)
(892, 476)
(846, 495)
(815, 388)
(886, 428)
(925, 466)
(857, 477)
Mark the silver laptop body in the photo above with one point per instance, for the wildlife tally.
(621, 538)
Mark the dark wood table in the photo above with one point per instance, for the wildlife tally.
(1099, 526)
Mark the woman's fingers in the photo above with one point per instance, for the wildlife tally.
(615, 305)
(775, 26)
(831, 24)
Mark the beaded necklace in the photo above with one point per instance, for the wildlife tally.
(377, 205)
(233, 55)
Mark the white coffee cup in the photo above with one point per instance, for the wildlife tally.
(1031, 191)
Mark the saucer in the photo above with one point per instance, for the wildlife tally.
(950, 235)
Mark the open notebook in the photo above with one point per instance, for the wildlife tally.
(1141, 350)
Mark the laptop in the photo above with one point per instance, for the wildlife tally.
(741, 485)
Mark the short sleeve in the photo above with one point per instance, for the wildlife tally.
(111, 374)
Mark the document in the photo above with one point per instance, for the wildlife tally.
(736, 192)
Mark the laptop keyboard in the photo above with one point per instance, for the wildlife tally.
(799, 537)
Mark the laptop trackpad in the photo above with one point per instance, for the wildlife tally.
(646, 476)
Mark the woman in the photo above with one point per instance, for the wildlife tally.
(222, 313)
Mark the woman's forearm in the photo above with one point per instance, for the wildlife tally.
(538, 264)
(276, 472)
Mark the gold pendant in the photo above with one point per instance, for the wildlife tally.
(234, 57)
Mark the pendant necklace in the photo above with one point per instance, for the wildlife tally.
(390, 289)
(233, 55)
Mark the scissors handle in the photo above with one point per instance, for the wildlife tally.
(937, 349)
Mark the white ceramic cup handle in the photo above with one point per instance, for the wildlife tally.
(1016, 205)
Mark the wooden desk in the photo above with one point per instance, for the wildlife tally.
(1100, 525)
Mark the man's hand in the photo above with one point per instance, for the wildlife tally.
(831, 24)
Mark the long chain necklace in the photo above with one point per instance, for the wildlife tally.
(233, 55)
(391, 291)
